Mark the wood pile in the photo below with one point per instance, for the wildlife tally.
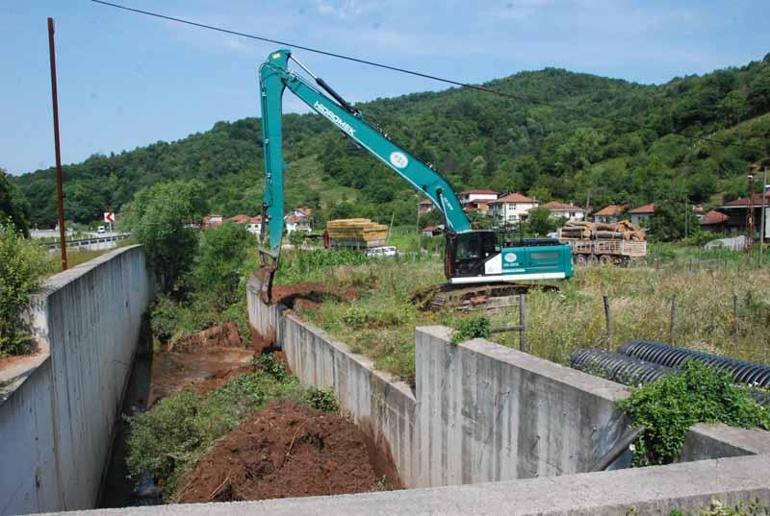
(356, 230)
(622, 230)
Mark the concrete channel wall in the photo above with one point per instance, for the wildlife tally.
(480, 412)
(59, 406)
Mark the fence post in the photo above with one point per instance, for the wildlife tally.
(735, 318)
(673, 318)
(522, 325)
(607, 319)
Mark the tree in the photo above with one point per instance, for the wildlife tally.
(22, 263)
(540, 221)
(668, 221)
(160, 218)
(218, 269)
(13, 206)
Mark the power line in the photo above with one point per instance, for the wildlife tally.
(318, 51)
(370, 63)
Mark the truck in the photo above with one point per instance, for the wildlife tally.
(474, 259)
(617, 243)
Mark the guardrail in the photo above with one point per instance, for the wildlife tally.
(99, 242)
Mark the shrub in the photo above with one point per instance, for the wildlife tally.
(22, 263)
(219, 266)
(323, 400)
(268, 364)
(667, 408)
(471, 328)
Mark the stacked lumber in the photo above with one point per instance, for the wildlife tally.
(356, 230)
(623, 230)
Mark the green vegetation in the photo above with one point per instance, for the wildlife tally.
(168, 439)
(159, 218)
(380, 324)
(667, 408)
(22, 265)
(14, 208)
(571, 135)
(477, 327)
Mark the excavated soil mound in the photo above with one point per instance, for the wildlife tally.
(308, 294)
(224, 336)
(283, 451)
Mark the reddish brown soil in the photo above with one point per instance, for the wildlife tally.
(283, 451)
(201, 362)
(310, 294)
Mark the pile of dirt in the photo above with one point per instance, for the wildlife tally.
(202, 362)
(283, 451)
(304, 295)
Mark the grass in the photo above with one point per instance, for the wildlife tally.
(381, 323)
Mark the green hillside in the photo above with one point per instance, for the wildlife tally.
(570, 136)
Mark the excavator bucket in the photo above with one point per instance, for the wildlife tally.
(266, 273)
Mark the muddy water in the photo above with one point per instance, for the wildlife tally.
(154, 377)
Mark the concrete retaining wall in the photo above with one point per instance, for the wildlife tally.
(57, 419)
(481, 413)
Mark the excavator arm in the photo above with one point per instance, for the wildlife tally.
(274, 78)
(472, 256)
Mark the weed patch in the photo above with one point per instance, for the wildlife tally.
(668, 407)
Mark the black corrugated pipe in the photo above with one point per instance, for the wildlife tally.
(659, 353)
(616, 367)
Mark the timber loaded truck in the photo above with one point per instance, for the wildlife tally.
(593, 242)
(475, 262)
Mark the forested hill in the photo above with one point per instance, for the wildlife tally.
(569, 136)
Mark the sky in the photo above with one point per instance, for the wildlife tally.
(127, 80)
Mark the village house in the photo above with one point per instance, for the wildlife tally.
(424, 206)
(212, 221)
(610, 214)
(478, 195)
(294, 222)
(714, 221)
(253, 224)
(641, 215)
(511, 208)
(738, 209)
(560, 210)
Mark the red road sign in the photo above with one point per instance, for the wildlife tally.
(109, 217)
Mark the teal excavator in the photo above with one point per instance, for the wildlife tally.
(475, 262)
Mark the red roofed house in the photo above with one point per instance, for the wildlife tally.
(212, 221)
(560, 210)
(253, 224)
(714, 221)
(511, 208)
(610, 214)
(240, 219)
(738, 209)
(641, 215)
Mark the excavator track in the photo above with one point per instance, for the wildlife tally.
(461, 297)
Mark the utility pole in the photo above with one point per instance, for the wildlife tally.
(763, 215)
(57, 147)
(750, 213)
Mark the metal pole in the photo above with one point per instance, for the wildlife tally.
(57, 147)
(763, 227)
(607, 319)
(522, 324)
(750, 214)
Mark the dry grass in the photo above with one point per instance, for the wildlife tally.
(381, 323)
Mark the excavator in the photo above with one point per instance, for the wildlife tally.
(475, 263)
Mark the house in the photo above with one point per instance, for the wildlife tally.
(240, 219)
(714, 221)
(253, 224)
(511, 208)
(560, 210)
(424, 206)
(737, 213)
(641, 215)
(293, 223)
(478, 194)
(212, 221)
(432, 230)
(476, 206)
(610, 214)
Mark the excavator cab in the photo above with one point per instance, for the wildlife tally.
(466, 253)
